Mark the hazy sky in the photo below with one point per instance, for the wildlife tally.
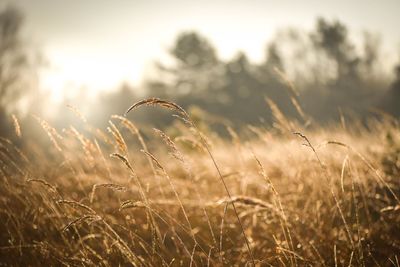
(99, 43)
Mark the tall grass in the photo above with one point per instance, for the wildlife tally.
(323, 197)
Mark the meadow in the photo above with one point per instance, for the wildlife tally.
(287, 195)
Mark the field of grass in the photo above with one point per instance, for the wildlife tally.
(122, 196)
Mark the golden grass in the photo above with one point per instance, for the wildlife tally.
(199, 200)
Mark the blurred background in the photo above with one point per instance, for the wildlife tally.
(229, 62)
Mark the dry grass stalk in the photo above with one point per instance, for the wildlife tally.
(179, 156)
(172, 185)
(128, 204)
(283, 218)
(369, 165)
(7, 159)
(125, 161)
(175, 152)
(17, 127)
(158, 102)
(135, 131)
(118, 138)
(51, 132)
(194, 143)
(349, 233)
(281, 123)
(103, 137)
(342, 172)
(156, 230)
(74, 203)
(87, 146)
(85, 218)
(105, 163)
(7, 142)
(45, 183)
(246, 200)
(390, 208)
(299, 226)
(287, 81)
(173, 106)
(111, 186)
(77, 113)
(293, 95)
(127, 124)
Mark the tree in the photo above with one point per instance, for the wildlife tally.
(15, 63)
(13, 57)
(194, 69)
(194, 51)
(391, 100)
(333, 39)
(273, 58)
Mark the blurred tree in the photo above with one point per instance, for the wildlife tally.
(391, 101)
(15, 63)
(273, 58)
(194, 51)
(193, 69)
(234, 89)
(333, 39)
(353, 87)
(396, 84)
(325, 66)
(371, 51)
(13, 57)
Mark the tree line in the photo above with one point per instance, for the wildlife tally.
(322, 72)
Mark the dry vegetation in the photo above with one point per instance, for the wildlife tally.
(321, 197)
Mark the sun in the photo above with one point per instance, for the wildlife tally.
(69, 74)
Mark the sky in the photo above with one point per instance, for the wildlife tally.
(98, 44)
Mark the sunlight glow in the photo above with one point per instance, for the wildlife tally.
(119, 42)
(68, 75)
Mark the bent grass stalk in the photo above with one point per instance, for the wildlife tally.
(180, 157)
(135, 132)
(141, 190)
(172, 106)
(308, 143)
